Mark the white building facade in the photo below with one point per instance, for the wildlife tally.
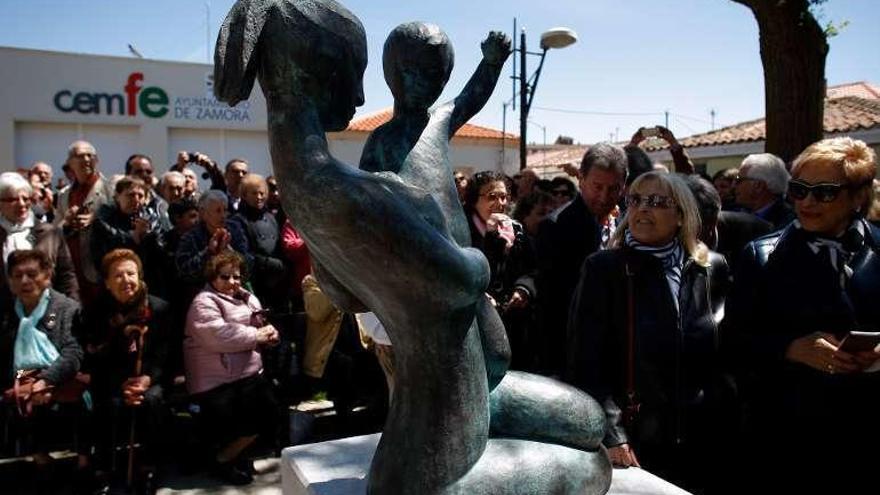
(129, 105)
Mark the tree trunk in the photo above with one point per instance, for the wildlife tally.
(793, 51)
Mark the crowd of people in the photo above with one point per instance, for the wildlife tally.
(707, 316)
(119, 294)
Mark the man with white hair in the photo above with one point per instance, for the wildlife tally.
(213, 234)
(44, 171)
(75, 213)
(761, 186)
(172, 186)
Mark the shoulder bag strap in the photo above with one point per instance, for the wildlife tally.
(632, 404)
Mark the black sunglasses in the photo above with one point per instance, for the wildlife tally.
(824, 192)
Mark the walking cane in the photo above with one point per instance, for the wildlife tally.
(136, 333)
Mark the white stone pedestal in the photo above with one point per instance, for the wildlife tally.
(340, 467)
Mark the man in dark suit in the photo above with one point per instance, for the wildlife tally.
(735, 230)
(566, 238)
(726, 232)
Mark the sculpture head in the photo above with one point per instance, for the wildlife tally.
(417, 60)
(297, 48)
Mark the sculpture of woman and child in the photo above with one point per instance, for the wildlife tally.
(393, 238)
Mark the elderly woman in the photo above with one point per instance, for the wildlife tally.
(126, 223)
(20, 230)
(225, 330)
(126, 344)
(797, 294)
(511, 259)
(39, 356)
(642, 335)
(213, 235)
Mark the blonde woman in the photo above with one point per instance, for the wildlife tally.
(642, 333)
(797, 294)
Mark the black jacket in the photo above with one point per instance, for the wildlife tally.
(779, 214)
(512, 269)
(563, 244)
(109, 355)
(675, 351)
(270, 274)
(61, 321)
(783, 291)
(112, 229)
(735, 230)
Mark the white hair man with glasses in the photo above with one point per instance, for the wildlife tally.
(761, 186)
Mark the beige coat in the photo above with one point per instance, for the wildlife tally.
(322, 327)
(99, 195)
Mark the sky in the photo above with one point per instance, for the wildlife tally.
(634, 60)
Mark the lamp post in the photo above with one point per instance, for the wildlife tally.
(559, 37)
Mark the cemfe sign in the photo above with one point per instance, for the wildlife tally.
(151, 101)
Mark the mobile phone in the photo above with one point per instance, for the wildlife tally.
(650, 132)
(860, 342)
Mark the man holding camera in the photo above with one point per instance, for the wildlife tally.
(229, 181)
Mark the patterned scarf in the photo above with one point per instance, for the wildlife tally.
(670, 255)
(838, 251)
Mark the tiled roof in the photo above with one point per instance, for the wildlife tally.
(370, 122)
(862, 89)
(548, 162)
(843, 114)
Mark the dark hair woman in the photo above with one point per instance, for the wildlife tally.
(642, 333)
(224, 371)
(39, 356)
(797, 294)
(512, 262)
(126, 346)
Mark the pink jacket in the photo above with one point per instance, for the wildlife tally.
(220, 343)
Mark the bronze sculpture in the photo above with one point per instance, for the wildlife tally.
(391, 241)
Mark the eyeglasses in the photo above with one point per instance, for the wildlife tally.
(226, 277)
(824, 192)
(562, 192)
(495, 196)
(650, 201)
(739, 179)
(460, 178)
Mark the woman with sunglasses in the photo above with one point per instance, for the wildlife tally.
(20, 229)
(225, 329)
(642, 334)
(797, 294)
(512, 262)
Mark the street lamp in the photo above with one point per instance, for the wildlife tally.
(559, 37)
